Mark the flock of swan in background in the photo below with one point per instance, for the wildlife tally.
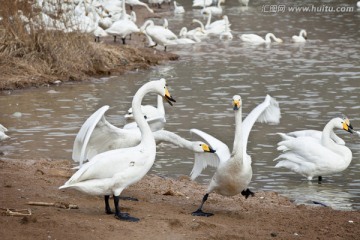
(104, 18)
(111, 158)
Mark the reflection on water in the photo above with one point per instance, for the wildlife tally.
(313, 82)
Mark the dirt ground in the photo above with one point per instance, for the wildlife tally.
(164, 209)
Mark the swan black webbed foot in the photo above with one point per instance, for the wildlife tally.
(129, 199)
(246, 193)
(200, 213)
(122, 216)
(126, 217)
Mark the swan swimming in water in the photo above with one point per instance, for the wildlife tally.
(178, 9)
(234, 171)
(302, 37)
(112, 171)
(256, 39)
(310, 157)
(215, 10)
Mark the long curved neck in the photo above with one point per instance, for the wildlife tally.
(201, 24)
(123, 14)
(269, 36)
(238, 148)
(208, 20)
(146, 134)
(166, 136)
(327, 142)
(160, 105)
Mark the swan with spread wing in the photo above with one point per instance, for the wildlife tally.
(112, 171)
(234, 171)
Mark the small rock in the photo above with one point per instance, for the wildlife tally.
(17, 114)
(274, 234)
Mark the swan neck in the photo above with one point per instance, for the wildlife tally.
(238, 148)
(166, 136)
(146, 134)
(208, 20)
(123, 15)
(160, 105)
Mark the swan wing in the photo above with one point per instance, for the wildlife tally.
(84, 134)
(108, 164)
(308, 151)
(202, 160)
(266, 112)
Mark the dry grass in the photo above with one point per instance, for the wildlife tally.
(30, 55)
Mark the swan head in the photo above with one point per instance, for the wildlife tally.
(167, 97)
(236, 102)
(303, 33)
(346, 125)
(202, 147)
(278, 40)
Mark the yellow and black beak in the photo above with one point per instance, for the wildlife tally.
(236, 104)
(168, 97)
(347, 126)
(206, 148)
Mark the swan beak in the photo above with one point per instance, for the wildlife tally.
(168, 97)
(236, 105)
(349, 128)
(206, 148)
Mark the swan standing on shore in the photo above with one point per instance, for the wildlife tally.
(112, 171)
(310, 157)
(256, 39)
(158, 34)
(302, 37)
(234, 171)
(122, 27)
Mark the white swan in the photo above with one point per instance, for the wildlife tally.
(113, 171)
(202, 3)
(132, 3)
(219, 24)
(122, 27)
(310, 157)
(302, 37)
(3, 136)
(234, 172)
(226, 34)
(244, 2)
(158, 34)
(200, 33)
(256, 39)
(215, 10)
(178, 9)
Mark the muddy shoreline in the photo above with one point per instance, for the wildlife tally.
(164, 209)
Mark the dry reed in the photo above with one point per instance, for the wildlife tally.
(32, 55)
